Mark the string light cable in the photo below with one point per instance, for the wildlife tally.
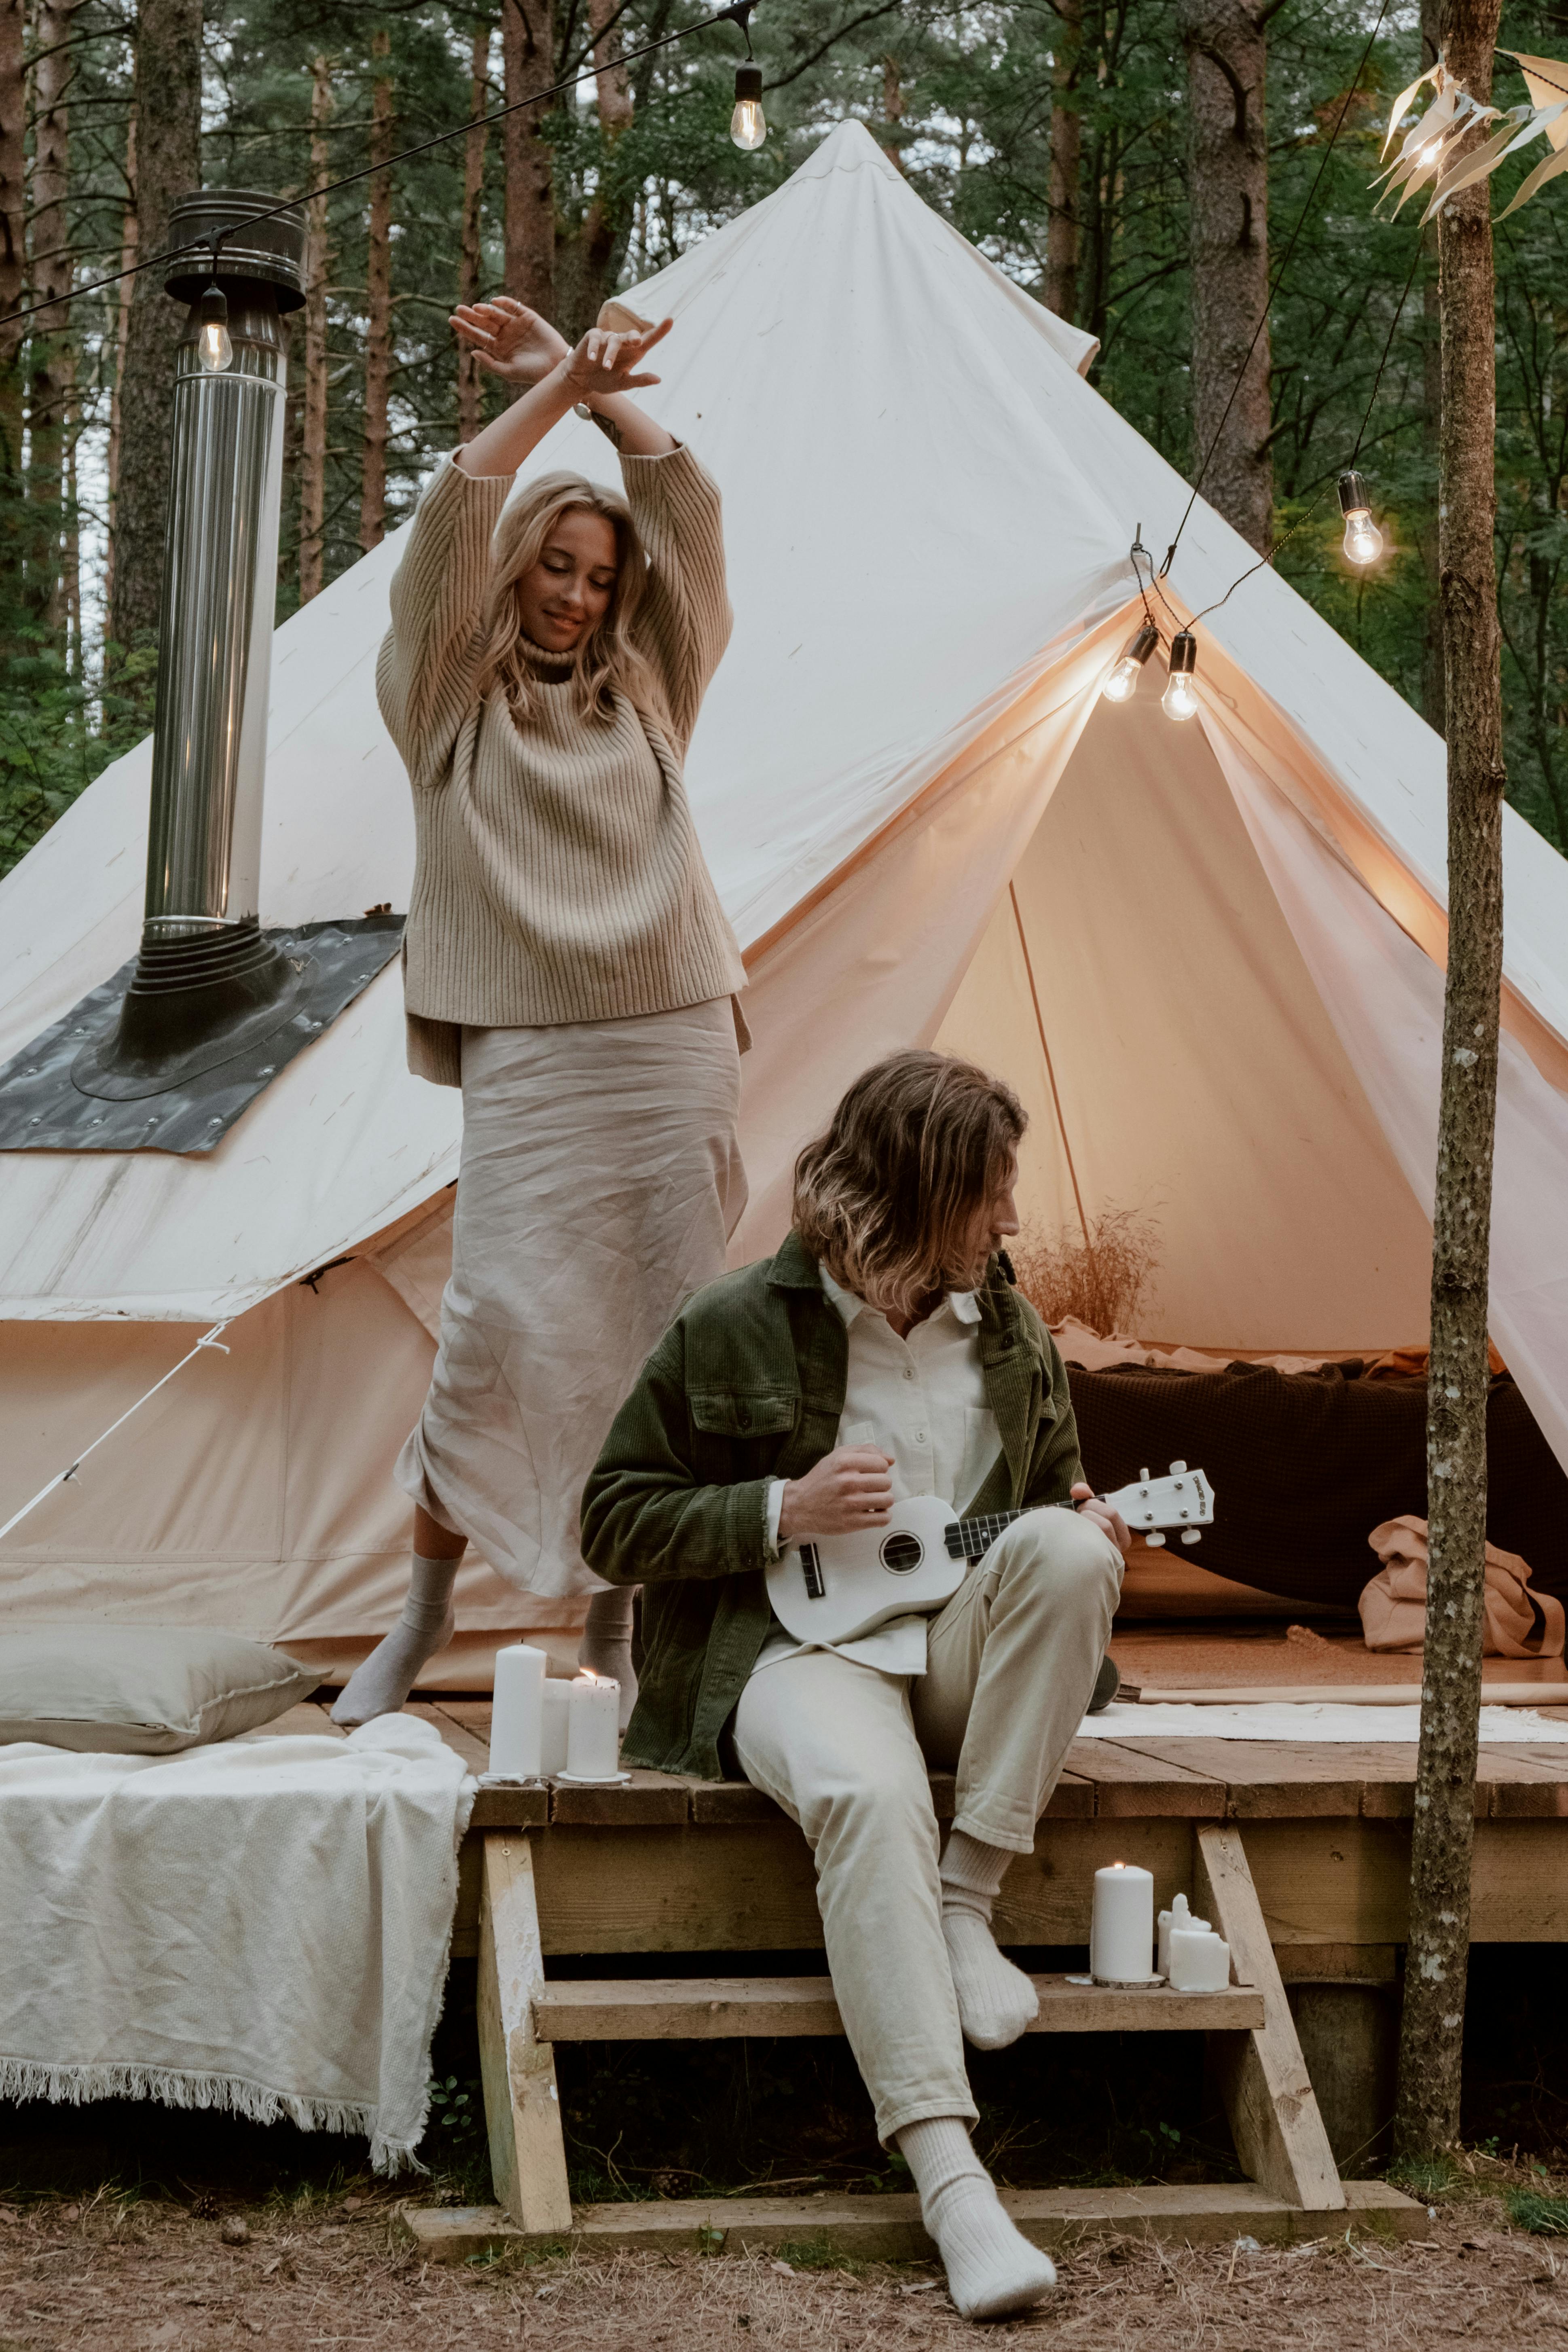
(747, 118)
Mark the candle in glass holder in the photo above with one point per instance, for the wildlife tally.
(1122, 1927)
(557, 1713)
(517, 1715)
(594, 1730)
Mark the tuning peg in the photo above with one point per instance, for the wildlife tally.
(1143, 1477)
(1156, 1543)
(1177, 1468)
(1191, 1535)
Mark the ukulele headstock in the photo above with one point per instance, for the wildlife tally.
(1183, 1498)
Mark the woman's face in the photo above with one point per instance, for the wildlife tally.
(567, 592)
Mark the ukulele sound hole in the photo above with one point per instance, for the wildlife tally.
(902, 1552)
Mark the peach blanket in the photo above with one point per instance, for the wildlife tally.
(1518, 1623)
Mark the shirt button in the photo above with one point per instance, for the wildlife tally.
(909, 1372)
(920, 1437)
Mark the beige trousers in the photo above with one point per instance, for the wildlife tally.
(845, 1749)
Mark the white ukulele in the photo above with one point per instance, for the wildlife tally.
(836, 1588)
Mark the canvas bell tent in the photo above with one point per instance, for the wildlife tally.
(1208, 955)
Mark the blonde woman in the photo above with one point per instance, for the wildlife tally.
(566, 962)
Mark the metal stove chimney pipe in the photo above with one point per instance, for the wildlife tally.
(207, 984)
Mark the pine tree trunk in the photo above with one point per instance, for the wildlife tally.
(121, 329)
(1432, 698)
(50, 374)
(1228, 196)
(893, 111)
(313, 418)
(168, 98)
(378, 305)
(1438, 1958)
(471, 250)
(13, 282)
(1066, 148)
(528, 55)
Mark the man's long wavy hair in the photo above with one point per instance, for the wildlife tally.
(885, 1198)
(607, 657)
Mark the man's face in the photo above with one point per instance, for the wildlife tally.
(993, 1224)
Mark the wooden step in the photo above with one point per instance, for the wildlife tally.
(888, 2229)
(721, 2009)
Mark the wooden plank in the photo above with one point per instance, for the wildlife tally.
(522, 2105)
(1272, 1780)
(1360, 1964)
(475, 1752)
(648, 1800)
(716, 1802)
(1132, 1782)
(510, 1809)
(888, 2229)
(717, 2009)
(1532, 1786)
(1348, 1693)
(1274, 2120)
(747, 1886)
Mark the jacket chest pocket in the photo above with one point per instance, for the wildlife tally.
(728, 1424)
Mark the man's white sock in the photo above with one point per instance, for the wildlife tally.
(607, 1645)
(991, 2268)
(383, 1683)
(996, 2002)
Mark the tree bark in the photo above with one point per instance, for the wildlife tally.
(470, 251)
(378, 305)
(1228, 197)
(1062, 231)
(121, 329)
(528, 56)
(50, 373)
(1432, 695)
(167, 95)
(13, 281)
(1437, 1961)
(313, 417)
(893, 111)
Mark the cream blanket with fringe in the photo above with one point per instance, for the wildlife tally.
(260, 1925)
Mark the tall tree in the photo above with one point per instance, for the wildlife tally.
(1437, 1956)
(13, 282)
(168, 102)
(51, 381)
(123, 294)
(1067, 151)
(528, 60)
(378, 308)
(588, 262)
(1432, 701)
(1228, 61)
(313, 416)
(470, 248)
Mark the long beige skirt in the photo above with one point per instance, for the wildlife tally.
(600, 1181)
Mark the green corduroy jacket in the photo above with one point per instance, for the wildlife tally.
(747, 1385)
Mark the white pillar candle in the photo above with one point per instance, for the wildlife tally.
(517, 1715)
(1122, 1927)
(557, 1711)
(594, 1728)
(1178, 1916)
(1200, 1960)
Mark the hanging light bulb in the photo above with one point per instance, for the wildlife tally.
(748, 127)
(1180, 699)
(215, 346)
(1363, 541)
(1122, 679)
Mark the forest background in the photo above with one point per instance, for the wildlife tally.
(1102, 151)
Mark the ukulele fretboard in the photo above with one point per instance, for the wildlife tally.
(971, 1540)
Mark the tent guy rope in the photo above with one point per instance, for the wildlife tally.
(207, 1339)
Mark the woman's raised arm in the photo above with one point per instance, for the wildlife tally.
(518, 346)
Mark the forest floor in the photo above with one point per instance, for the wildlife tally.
(114, 2273)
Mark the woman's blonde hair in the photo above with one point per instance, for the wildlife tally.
(607, 659)
(884, 1200)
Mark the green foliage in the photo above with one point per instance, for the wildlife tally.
(1544, 2217)
(1428, 2178)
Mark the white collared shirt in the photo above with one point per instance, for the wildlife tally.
(922, 1400)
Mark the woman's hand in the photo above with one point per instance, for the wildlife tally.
(847, 1491)
(509, 339)
(1109, 1522)
(604, 364)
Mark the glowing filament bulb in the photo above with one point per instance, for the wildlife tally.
(1363, 541)
(747, 125)
(1122, 678)
(215, 346)
(1180, 699)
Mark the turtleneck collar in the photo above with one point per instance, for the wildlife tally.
(552, 666)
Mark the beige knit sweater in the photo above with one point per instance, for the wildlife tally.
(558, 875)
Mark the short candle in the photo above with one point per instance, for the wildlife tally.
(557, 1715)
(594, 1728)
(1121, 1926)
(517, 1713)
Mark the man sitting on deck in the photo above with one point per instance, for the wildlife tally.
(882, 1352)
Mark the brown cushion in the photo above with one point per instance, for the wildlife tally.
(141, 1690)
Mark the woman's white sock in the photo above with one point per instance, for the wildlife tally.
(996, 2002)
(991, 2268)
(607, 1645)
(383, 1683)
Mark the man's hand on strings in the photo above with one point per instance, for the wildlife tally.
(1090, 1506)
(848, 1491)
(509, 339)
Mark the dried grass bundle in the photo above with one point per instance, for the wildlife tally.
(1099, 1278)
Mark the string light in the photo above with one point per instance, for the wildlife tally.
(1363, 541)
(215, 345)
(1180, 699)
(748, 124)
(1122, 679)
